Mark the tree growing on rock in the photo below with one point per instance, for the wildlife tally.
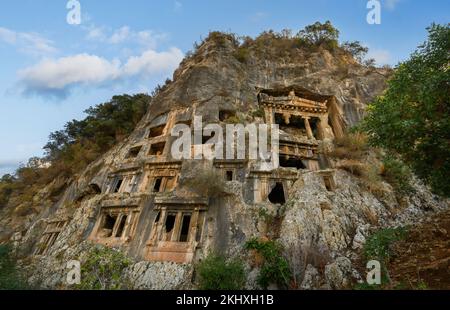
(412, 118)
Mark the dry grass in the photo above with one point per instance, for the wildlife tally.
(354, 155)
(351, 146)
(370, 216)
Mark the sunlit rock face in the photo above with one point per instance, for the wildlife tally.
(136, 197)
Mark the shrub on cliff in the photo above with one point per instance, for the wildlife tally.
(10, 278)
(275, 268)
(217, 273)
(102, 269)
(412, 118)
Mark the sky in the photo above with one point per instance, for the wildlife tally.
(51, 71)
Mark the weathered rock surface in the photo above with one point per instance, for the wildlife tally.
(322, 230)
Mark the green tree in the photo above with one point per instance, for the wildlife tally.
(318, 34)
(356, 49)
(83, 141)
(412, 118)
(80, 142)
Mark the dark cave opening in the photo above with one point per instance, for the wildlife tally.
(277, 194)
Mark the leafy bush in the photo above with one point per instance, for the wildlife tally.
(10, 278)
(412, 118)
(102, 269)
(320, 34)
(396, 173)
(275, 268)
(378, 246)
(6, 189)
(217, 273)
(242, 54)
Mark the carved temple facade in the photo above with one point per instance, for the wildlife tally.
(142, 208)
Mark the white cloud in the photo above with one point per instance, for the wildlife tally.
(391, 4)
(146, 38)
(381, 56)
(120, 35)
(27, 42)
(150, 62)
(57, 77)
(57, 74)
(95, 33)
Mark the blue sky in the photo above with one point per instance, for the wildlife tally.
(50, 71)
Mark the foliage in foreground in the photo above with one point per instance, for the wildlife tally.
(217, 273)
(378, 246)
(275, 268)
(10, 278)
(102, 269)
(412, 118)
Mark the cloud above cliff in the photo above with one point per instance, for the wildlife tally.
(125, 35)
(58, 77)
(27, 42)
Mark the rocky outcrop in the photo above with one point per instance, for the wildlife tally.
(119, 201)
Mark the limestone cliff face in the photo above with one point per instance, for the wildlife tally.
(132, 198)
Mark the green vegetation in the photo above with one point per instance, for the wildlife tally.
(69, 151)
(412, 118)
(217, 273)
(83, 141)
(396, 173)
(378, 246)
(320, 34)
(279, 44)
(10, 279)
(102, 270)
(275, 268)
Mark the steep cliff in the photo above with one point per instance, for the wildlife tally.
(127, 198)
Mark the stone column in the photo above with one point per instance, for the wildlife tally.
(309, 132)
(269, 115)
(116, 225)
(177, 227)
(193, 227)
